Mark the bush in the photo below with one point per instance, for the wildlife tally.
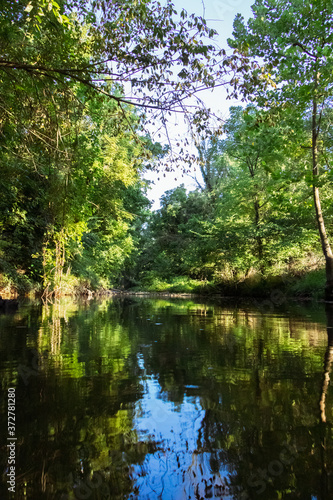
(177, 284)
(311, 285)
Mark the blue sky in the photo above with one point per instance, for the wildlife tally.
(220, 15)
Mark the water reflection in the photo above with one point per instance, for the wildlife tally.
(157, 399)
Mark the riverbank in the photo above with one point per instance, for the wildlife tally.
(306, 285)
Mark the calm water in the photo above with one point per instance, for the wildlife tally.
(168, 399)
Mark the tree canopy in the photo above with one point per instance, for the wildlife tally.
(293, 39)
(85, 87)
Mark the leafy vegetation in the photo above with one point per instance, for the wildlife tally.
(75, 128)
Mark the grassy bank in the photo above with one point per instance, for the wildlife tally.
(306, 285)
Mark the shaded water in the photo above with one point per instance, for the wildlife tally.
(168, 399)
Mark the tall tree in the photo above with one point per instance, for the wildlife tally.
(293, 40)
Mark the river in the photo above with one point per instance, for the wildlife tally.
(171, 399)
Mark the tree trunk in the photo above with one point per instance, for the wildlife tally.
(327, 251)
(258, 237)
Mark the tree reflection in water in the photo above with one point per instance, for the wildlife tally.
(326, 428)
(148, 399)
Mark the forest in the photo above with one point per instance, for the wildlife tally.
(88, 95)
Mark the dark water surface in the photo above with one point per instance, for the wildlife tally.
(168, 399)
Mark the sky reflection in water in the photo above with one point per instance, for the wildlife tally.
(161, 399)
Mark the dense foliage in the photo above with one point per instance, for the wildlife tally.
(255, 224)
(82, 86)
(73, 144)
(268, 181)
(293, 40)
